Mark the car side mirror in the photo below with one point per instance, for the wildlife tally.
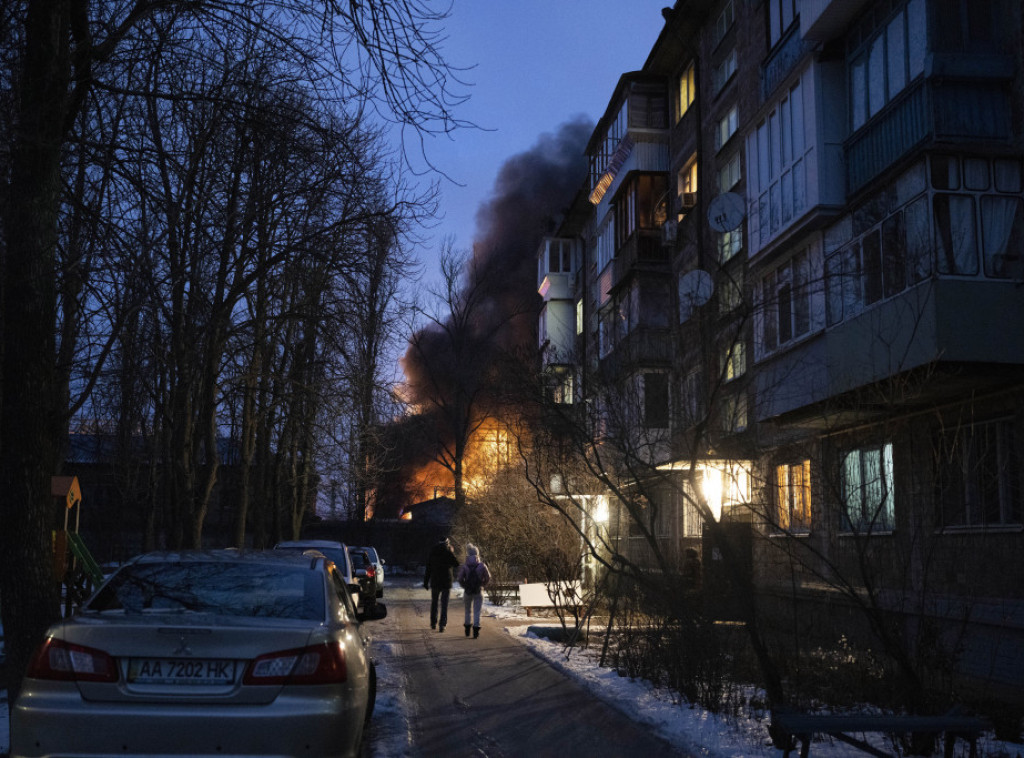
(375, 612)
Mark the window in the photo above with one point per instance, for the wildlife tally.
(692, 398)
(655, 389)
(729, 243)
(605, 248)
(727, 126)
(723, 72)
(889, 242)
(687, 179)
(687, 90)
(559, 256)
(786, 302)
(723, 23)
(781, 15)
(640, 206)
(730, 293)
(579, 316)
(980, 476)
(777, 150)
(734, 412)
(866, 479)
(966, 223)
(793, 497)
(648, 106)
(734, 361)
(729, 175)
(968, 26)
(562, 389)
(884, 59)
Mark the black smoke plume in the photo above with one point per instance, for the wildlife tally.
(532, 191)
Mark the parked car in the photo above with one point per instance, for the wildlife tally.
(366, 575)
(378, 563)
(335, 551)
(203, 653)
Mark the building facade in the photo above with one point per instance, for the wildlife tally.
(792, 287)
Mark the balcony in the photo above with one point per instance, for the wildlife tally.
(932, 110)
(643, 250)
(643, 347)
(941, 323)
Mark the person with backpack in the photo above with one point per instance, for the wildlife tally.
(473, 576)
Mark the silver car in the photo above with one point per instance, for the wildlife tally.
(378, 564)
(335, 551)
(204, 653)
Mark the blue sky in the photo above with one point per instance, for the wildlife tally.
(538, 63)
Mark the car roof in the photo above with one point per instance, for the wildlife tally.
(310, 543)
(225, 556)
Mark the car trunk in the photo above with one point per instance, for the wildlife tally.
(187, 656)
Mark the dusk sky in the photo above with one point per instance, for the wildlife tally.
(538, 64)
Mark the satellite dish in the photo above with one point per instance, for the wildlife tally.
(726, 212)
(695, 289)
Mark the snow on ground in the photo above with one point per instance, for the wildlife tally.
(692, 730)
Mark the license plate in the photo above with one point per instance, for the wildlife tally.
(180, 671)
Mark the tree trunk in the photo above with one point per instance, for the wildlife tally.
(32, 422)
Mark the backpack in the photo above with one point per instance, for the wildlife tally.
(472, 583)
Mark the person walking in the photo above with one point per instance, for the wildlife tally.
(473, 576)
(438, 579)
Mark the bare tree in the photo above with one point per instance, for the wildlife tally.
(384, 54)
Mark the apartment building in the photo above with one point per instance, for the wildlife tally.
(794, 284)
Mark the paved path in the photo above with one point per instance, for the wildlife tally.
(492, 698)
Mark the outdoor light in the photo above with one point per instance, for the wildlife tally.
(600, 512)
(723, 483)
(711, 489)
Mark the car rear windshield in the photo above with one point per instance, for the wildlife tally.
(360, 560)
(268, 590)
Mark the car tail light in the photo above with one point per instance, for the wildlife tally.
(317, 664)
(370, 573)
(57, 659)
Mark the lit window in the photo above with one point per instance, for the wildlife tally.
(688, 176)
(793, 497)
(579, 316)
(727, 126)
(729, 175)
(867, 489)
(734, 361)
(729, 243)
(687, 90)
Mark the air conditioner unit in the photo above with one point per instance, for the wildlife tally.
(668, 232)
(687, 201)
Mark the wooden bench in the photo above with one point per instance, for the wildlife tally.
(803, 727)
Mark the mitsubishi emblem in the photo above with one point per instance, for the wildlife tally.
(183, 648)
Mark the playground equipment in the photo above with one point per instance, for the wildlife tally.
(74, 565)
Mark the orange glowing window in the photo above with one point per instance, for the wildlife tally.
(793, 496)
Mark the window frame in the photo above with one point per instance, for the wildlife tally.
(855, 500)
(794, 504)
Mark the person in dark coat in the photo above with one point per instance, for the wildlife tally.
(438, 579)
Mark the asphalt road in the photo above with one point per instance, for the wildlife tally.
(493, 698)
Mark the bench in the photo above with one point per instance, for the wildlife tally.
(537, 595)
(803, 727)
